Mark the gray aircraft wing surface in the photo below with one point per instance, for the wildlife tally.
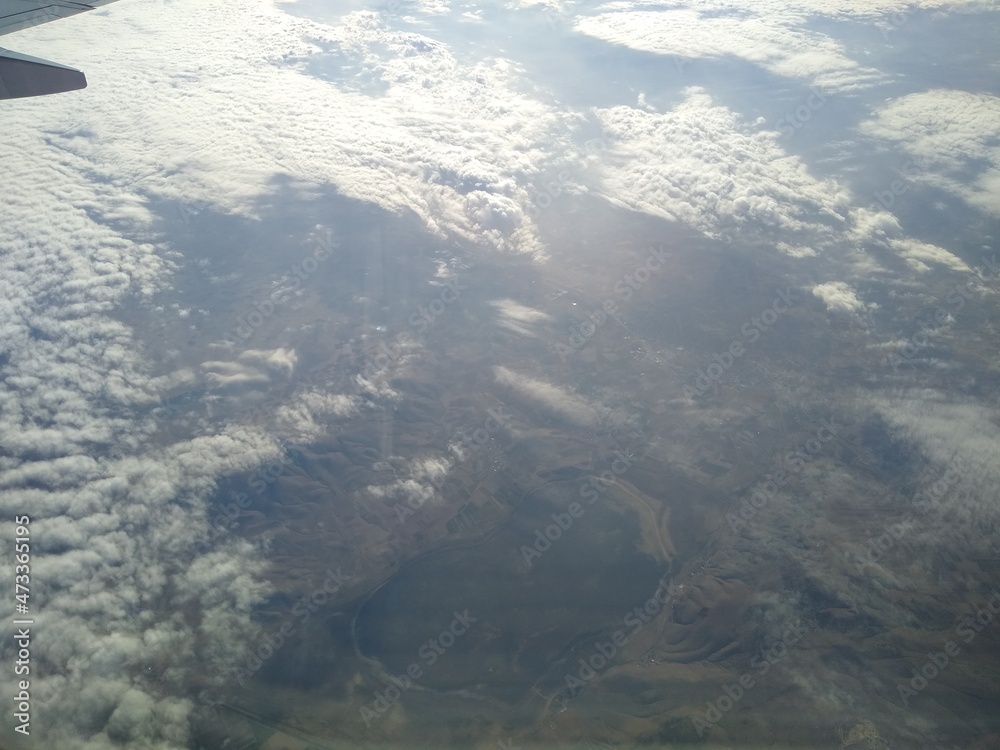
(23, 75)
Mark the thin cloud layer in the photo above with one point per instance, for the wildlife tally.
(762, 39)
(959, 435)
(556, 399)
(518, 318)
(799, 10)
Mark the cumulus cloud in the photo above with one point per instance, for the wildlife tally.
(309, 414)
(918, 254)
(279, 360)
(409, 490)
(119, 549)
(252, 367)
(838, 297)
(450, 141)
(700, 164)
(415, 481)
(120, 522)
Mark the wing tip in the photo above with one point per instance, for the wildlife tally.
(24, 76)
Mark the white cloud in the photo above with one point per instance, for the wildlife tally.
(253, 367)
(309, 415)
(919, 254)
(558, 400)
(959, 435)
(518, 318)
(838, 297)
(409, 490)
(115, 539)
(279, 360)
(118, 548)
(952, 139)
(211, 125)
(800, 10)
(700, 164)
(768, 40)
(415, 481)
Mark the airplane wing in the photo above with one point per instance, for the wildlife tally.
(23, 75)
